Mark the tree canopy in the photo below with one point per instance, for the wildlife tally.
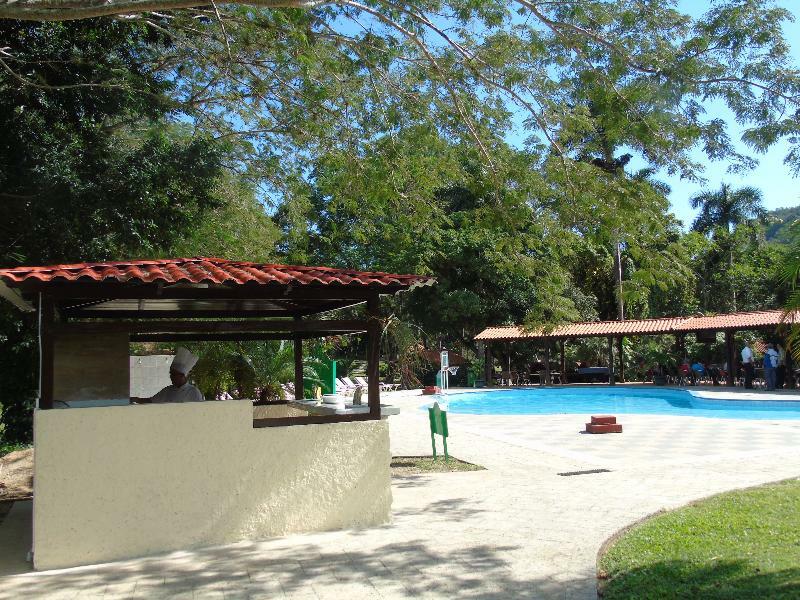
(511, 149)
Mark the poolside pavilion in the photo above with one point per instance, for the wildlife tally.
(704, 327)
(114, 480)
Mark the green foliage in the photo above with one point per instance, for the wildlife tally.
(742, 544)
(92, 173)
(92, 166)
(376, 139)
(19, 368)
(735, 271)
(237, 229)
(244, 367)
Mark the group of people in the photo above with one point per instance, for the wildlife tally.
(773, 363)
(698, 371)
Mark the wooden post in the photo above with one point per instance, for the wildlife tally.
(47, 316)
(547, 378)
(374, 355)
(730, 355)
(621, 351)
(299, 383)
(611, 378)
(488, 368)
(680, 346)
(563, 363)
(788, 378)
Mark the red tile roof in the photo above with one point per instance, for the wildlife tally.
(208, 270)
(742, 320)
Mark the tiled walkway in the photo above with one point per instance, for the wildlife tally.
(516, 530)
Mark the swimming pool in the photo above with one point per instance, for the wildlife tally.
(614, 400)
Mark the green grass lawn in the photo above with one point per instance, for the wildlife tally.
(743, 544)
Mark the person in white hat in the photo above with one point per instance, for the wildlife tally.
(180, 390)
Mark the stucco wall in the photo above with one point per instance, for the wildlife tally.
(90, 370)
(120, 482)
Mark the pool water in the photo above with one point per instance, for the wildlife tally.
(614, 400)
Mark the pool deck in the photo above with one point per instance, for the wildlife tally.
(516, 530)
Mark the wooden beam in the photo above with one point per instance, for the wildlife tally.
(299, 393)
(621, 351)
(172, 314)
(112, 290)
(611, 378)
(730, 354)
(15, 298)
(374, 355)
(47, 317)
(232, 337)
(563, 363)
(547, 378)
(488, 367)
(177, 326)
(312, 420)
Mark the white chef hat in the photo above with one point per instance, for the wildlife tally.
(183, 361)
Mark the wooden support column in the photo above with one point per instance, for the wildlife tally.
(680, 346)
(563, 363)
(488, 367)
(789, 381)
(611, 378)
(374, 355)
(730, 357)
(621, 351)
(547, 378)
(299, 383)
(47, 316)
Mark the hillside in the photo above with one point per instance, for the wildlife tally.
(778, 223)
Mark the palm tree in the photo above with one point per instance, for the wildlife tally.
(249, 365)
(727, 208)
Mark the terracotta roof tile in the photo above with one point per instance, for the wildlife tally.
(742, 320)
(209, 270)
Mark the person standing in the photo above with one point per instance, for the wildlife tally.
(747, 365)
(180, 390)
(770, 364)
(780, 372)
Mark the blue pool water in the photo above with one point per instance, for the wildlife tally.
(614, 400)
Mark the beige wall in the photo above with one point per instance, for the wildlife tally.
(120, 482)
(91, 369)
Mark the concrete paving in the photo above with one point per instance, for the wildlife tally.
(516, 530)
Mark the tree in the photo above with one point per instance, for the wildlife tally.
(734, 271)
(722, 211)
(88, 172)
(727, 208)
(95, 173)
(297, 83)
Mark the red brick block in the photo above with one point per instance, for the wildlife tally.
(606, 428)
(603, 419)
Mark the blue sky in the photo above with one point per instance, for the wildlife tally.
(772, 177)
